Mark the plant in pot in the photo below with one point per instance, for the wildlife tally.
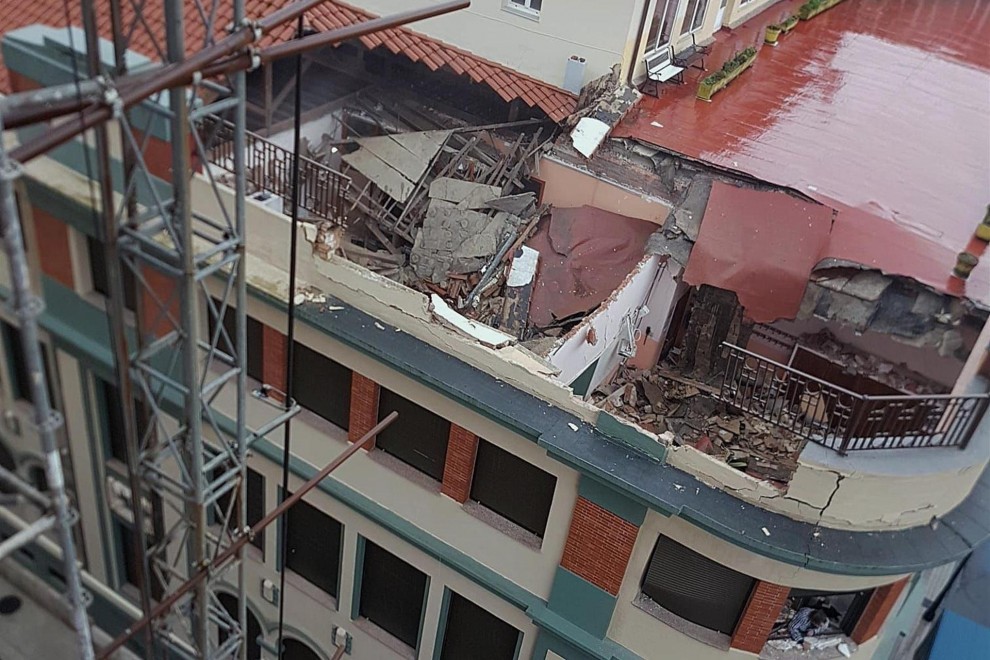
(809, 9)
(772, 34)
(789, 23)
(710, 84)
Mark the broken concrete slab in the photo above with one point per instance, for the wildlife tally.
(454, 240)
(465, 194)
(515, 204)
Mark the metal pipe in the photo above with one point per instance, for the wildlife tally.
(164, 606)
(24, 488)
(27, 307)
(26, 535)
(135, 89)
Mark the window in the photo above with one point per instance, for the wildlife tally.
(694, 587)
(313, 546)
(254, 339)
(253, 627)
(127, 552)
(255, 504)
(392, 594)
(661, 24)
(116, 440)
(694, 17)
(20, 382)
(100, 276)
(418, 437)
(512, 488)
(472, 632)
(322, 385)
(528, 6)
(842, 608)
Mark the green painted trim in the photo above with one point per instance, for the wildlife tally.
(581, 602)
(442, 623)
(519, 643)
(626, 434)
(103, 509)
(358, 578)
(73, 212)
(611, 500)
(422, 615)
(580, 384)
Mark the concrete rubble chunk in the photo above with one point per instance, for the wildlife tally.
(515, 204)
(465, 194)
(454, 240)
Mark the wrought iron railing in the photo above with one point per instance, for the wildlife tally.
(269, 168)
(843, 420)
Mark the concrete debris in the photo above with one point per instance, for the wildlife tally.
(465, 194)
(857, 364)
(478, 331)
(665, 403)
(520, 204)
(454, 240)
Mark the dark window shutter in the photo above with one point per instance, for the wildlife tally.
(696, 588)
(474, 633)
(293, 649)
(100, 276)
(256, 506)
(322, 385)
(313, 548)
(392, 594)
(512, 487)
(253, 627)
(254, 339)
(418, 437)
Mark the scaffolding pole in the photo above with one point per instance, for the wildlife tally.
(27, 307)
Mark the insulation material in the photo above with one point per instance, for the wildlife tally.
(395, 163)
(588, 135)
(585, 254)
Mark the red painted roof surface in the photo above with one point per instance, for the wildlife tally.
(762, 245)
(877, 108)
(509, 84)
(585, 254)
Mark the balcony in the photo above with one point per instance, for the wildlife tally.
(323, 190)
(841, 419)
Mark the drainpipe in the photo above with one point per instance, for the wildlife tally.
(980, 352)
(639, 42)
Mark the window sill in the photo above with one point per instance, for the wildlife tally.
(310, 590)
(389, 640)
(502, 524)
(522, 12)
(825, 647)
(698, 633)
(421, 479)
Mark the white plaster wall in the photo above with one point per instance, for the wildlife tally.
(643, 634)
(598, 32)
(574, 352)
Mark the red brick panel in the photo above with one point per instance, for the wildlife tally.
(160, 311)
(364, 407)
(598, 546)
(875, 614)
(458, 468)
(52, 237)
(273, 349)
(756, 622)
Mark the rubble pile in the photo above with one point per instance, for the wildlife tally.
(863, 364)
(688, 413)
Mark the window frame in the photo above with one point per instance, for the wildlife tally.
(362, 600)
(670, 8)
(321, 548)
(101, 285)
(684, 607)
(451, 598)
(524, 8)
(501, 462)
(17, 369)
(305, 358)
(412, 435)
(689, 21)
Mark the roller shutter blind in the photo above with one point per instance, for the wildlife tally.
(696, 588)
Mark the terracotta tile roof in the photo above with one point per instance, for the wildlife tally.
(435, 54)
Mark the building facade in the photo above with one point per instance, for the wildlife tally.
(512, 512)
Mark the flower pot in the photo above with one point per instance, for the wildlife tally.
(983, 230)
(965, 263)
(788, 24)
(771, 35)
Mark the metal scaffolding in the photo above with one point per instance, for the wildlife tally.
(186, 464)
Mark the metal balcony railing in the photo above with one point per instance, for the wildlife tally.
(269, 168)
(843, 420)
